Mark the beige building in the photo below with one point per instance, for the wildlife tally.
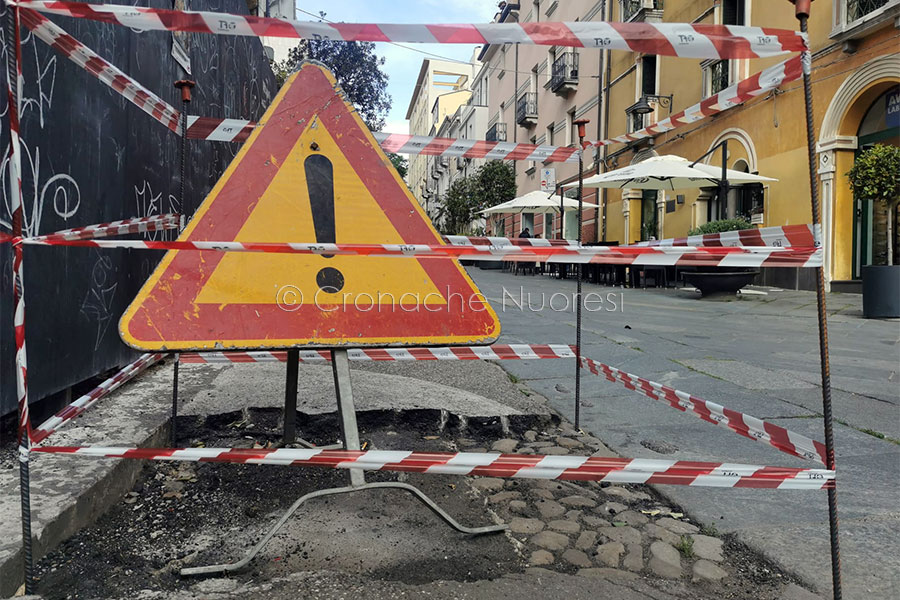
(441, 88)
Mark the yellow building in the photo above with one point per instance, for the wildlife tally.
(855, 75)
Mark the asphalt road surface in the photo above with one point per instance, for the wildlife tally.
(757, 354)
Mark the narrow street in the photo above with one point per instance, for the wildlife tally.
(756, 354)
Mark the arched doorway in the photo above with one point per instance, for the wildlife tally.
(880, 125)
(837, 149)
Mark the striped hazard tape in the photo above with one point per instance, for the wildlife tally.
(494, 352)
(125, 226)
(750, 427)
(530, 466)
(87, 400)
(669, 39)
(780, 235)
(750, 256)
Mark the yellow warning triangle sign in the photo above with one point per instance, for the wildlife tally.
(310, 172)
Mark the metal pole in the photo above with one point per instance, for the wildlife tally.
(290, 396)
(340, 366)
(173, 430)
(579, 274)
(802, 11)
(723, 183)
(14, 80)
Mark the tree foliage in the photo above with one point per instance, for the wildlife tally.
(493, 183)
(457, 208)
(356, 67)
(876, 174)
(400, 163)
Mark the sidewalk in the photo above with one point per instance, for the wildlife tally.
(757, 355)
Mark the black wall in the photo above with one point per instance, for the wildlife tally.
(90, 156)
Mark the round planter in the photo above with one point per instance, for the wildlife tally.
(720, 282)
(881, 291)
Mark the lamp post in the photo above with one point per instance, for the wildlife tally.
(579, 273)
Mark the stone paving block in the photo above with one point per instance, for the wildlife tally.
(541, 493)
(708, 571)
(530, 435)
(577, 558)
(555, 451)
(631, 517)
(679, 527)
(626, 495)
(586, 540)
(657, 532)
(550, 540)
(608, 554)
(518, 506)
(634, 557)
(503, 497)
(665, 560)
(541, 557)
(505, 446)
(565, 526)
(550, 509)
(578, 501)
(526, 526)
(611, 508)
(626, 535)
(708, 547)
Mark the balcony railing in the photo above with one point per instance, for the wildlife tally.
(633, 7)
(564, 76)
(857, 9)
(526, 109)
(497, 133)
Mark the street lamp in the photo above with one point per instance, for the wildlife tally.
(642, 106)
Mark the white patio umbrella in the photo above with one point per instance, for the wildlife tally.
(536, 202)
(668, 173)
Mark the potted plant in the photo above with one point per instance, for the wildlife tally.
(875, 176)
(715, 280)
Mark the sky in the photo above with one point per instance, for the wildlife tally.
(402, 64)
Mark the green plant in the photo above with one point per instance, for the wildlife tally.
(493, 183)
(721, 226)
(457, 208)
(709, 530)
(686, 546)
(874, 176)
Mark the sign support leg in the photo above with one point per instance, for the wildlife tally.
(340, 366)
(173, 428)
(290, 397)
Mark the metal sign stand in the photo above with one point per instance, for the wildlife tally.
(350, 432)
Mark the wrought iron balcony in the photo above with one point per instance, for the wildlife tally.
(634, 9)
(564, 76)
(526, 109)
(857, 9)
(497, 133)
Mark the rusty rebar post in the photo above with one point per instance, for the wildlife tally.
(579, 272)
(802, 11)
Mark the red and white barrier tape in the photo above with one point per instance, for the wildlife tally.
(465, 240)
(87, 59)
(530, 466)
(138, 225)
(780, 235)
(235, 130)
(24, 428)
(668, 39)
(83, 403)
(756, 85)
(759, 256)
(745, 425)
(494, 352)
(436, 146)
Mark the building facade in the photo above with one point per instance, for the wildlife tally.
(441, 88)
(536, 93)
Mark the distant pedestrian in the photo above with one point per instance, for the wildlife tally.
(525, 233)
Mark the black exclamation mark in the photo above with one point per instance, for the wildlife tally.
(320, 184)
